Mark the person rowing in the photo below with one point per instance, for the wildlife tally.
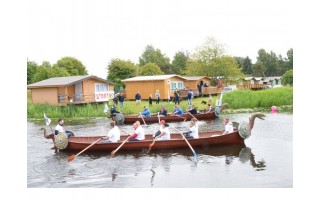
(113, 135)
(177, 111)
(163, 133)
(193, 130)
(138, 133)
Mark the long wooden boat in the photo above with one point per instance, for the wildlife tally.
(120, 118)
(78, 143)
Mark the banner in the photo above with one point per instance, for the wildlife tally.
(104, 96)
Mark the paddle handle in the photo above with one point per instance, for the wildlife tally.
(192, 115)
(143, 119)
(186, 141)
(114, 151)
(88, 146)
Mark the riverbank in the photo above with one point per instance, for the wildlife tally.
(240, 101)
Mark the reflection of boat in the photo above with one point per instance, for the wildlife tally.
(209, 138)
(120, 118)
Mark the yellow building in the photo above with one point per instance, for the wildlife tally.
(146, 85)
(71, 90)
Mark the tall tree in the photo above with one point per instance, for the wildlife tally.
(290, 58)
(150, 69)
(120, 69)
(179, 62)
(258, 69)
(247, 66)
(208, 60)
(31, 70)
(73, 66)
(152, 55)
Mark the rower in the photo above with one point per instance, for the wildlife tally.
(138, 132)
(177, 111)
(113, 135)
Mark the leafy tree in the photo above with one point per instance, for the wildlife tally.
(151, 55)
(290, 58)
(287, 77)
(41, 74)
(179, 62)
(208, 60)
(247, 66)
(31, 70)
(120, 69)
(56, 71)
(150, 69)
(209, 50)
(258, 69)
(73, 66)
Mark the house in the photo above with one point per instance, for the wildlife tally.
(275, 80)
(71, 90)
(192, 82)
(146, 85)
(256, 83)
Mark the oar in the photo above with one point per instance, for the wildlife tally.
(114, 151)
(48, 121)
(143, 119)
(194, 153)
(74, 156)
(192, 115)
(154, 140)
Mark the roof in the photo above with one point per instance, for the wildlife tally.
(64, 81)
(195, 78)
(152, 78)
(258, 78)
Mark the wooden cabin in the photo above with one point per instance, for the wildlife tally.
(146, 85)
(71, 90)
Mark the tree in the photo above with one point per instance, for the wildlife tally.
(150, 69)
(287, 77)
(247, 66)
(208, 60)
(56, 71)
(209, 50)
(290, 58)
(151, 55)
(73, 66)
(120, 69)
(179, 62)
(41, 74)
(31, 70)
(258, 69)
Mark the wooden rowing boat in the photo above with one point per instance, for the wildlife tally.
(241, 132)
(120, 118)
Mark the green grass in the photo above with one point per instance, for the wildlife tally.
(256, 99)
(240, 99)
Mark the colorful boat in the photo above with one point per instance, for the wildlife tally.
(77, 143)
(120, 118)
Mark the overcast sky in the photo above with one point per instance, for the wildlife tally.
(97, 31)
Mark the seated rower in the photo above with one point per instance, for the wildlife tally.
(146, 112)
(163, 111)
(114, 112)
(209, 109)
(163, 133)
(113, 135)
(193, 131)
(138, 132)
(177, 111)
(193, 110)
(228, 128)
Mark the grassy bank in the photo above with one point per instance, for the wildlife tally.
(239, 101)
(259, 99)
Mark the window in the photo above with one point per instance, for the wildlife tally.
(177, 85)
(101, 87)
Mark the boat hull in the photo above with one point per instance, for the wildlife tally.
(176, 141)
(154, 118)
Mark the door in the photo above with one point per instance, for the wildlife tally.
(78, 92)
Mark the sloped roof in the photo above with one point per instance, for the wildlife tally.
(152, 78)
(64, 81)
(195, 78)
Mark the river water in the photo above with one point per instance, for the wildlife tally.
(266, 159)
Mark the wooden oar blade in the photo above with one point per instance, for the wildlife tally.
(71, 158)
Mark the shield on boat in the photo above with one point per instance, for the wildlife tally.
(244, 130)
(217, 111)
(119, 118)
(61, 141)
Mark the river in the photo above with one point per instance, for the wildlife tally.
(266, 159)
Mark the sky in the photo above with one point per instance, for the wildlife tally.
(95, 32)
